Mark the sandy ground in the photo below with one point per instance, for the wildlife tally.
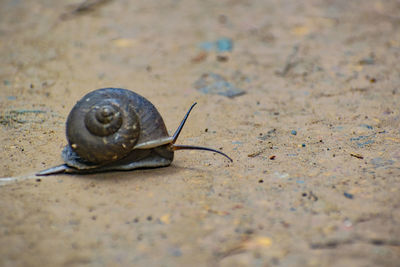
(315, 138)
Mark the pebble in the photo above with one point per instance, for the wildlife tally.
(221, 45)
(207, 46)
(237, 142)
(348, 195)
(176, 252)
(367, 61)
(224, 45)
(367, 126)
(212, 83)
(281, 175)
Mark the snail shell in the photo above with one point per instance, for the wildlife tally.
(106, 124)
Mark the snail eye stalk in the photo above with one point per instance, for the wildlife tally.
(185, 147)
(178, 131)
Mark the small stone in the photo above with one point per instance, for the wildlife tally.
(348, 195)
(212, 83)
(224, 45)
(222, 58)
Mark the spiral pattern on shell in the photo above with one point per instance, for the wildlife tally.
(103, 126)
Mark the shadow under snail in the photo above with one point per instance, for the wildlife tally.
(115, 129)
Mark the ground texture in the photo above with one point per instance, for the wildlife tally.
(303, 95)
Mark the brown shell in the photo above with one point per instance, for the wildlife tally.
(106, 124)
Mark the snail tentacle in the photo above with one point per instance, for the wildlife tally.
(181, 147)
(178, 131)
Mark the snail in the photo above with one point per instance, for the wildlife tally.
(114, 129)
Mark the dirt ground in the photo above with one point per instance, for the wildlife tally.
(315, 137)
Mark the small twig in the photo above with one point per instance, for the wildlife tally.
(359, 156)
(231, 251)
(360, 239)
(84, 7)
(330, 244)
(14, 116)
(257, 153)
(24, 111)
(382, 242)
(89, 5)
(290, 63)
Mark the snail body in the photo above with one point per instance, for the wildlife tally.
(117, 129)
